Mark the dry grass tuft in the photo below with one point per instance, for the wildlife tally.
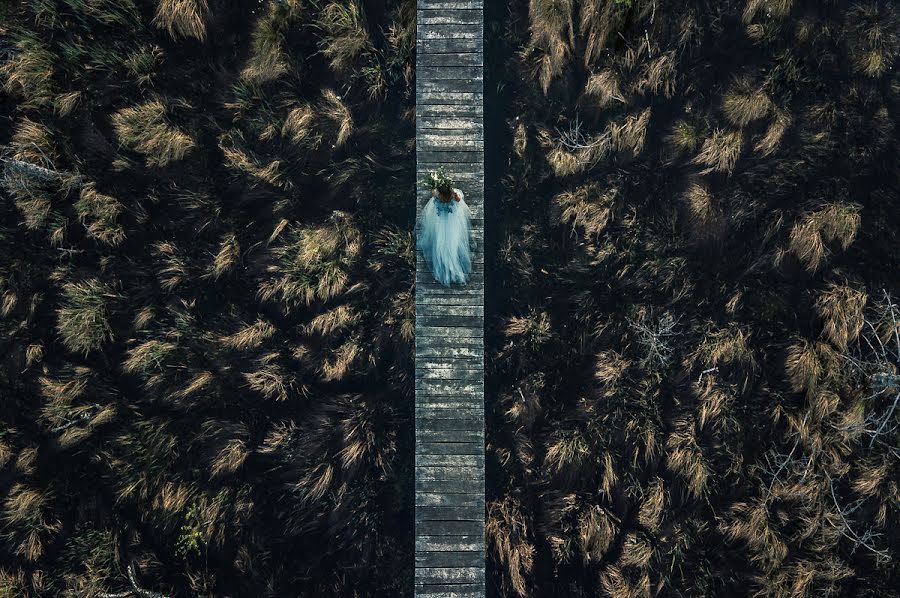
(745, 103)
(182, 18)
(842, 309)
(833, 222)
(588, 208)
(602, 88)
(552, 36)
(346, 38)
(771, 140)
(313, 263)
(336, 112)
(874, 37)
(631, 134)
(100, 213)
(506, 531)
(83, 319)
(685, 457)
(251, 336)
(720, 152)
(706, 220)
(146, 129)
(808, 364)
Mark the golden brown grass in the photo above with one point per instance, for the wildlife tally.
(346, 38)
(552, 36)
(842, 310)
(771, 140)
(251, 336)
(830, 223)
(182, 18)
(874, 37)
(506, 531)
(706, 220)
(146, 129)
(602, 88)
(631, 134)
(588, 208)
(720, 152)
(744, 103)
(100, 214)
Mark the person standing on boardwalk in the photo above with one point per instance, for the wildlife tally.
(445, 231)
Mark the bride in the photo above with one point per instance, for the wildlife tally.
(445, 231)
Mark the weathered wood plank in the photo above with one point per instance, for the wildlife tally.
(453, 16)
(449, 448)
(449, 31)
(471, 486)
(429, 499)
(449, 513)
(451, 86)
(447, 460)
(429, 402)
(450, 528)
(443, 59)
(449, 574)
(434, 73)
(452, 157)
(448, 543)
(458, 45)
(431, 558)
(451, 591)
(455, 4)
(474, 436)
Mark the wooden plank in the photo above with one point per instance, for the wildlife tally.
(454, 436)
(447, 575)
(448, 543)
(453, 4)
(473, 404)
(452, 157)
(449, 31)
(470, 111)
(450, 528)
(442, 59)
(449, 461)
(449, 448)
(430, 499)
(434, 73)
(451, 86)
(451, 591)
(434, 16)
(450, 513)
(447, 558)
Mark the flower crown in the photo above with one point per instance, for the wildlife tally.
(438, 179)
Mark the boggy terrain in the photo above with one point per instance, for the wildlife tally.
(206, 297)
(695, 340)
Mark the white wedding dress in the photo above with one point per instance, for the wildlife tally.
(444, 237)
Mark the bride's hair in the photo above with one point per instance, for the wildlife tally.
(445, 190)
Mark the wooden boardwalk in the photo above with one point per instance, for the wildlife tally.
(450, 322)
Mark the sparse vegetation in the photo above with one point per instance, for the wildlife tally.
(205, 298)
(694, 342)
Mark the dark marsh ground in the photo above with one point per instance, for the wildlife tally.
(206, 297)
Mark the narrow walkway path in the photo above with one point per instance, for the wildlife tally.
(450, 322)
